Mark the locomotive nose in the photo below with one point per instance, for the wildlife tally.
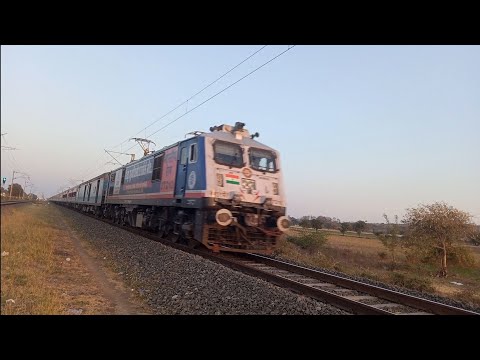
(283, 223)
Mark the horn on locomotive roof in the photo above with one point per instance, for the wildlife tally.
(254, 135)
(238, 126)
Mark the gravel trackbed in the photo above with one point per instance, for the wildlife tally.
(170, 281)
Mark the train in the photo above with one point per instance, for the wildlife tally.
(222, 189)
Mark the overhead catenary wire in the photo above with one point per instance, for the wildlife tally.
(215, 95)
(197, 93)
(218, 93)
(12, 161)
(175, 108)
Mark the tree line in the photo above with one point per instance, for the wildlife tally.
(433, 231)
(325, 222)
(17, 192)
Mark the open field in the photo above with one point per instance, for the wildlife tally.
(368, 257)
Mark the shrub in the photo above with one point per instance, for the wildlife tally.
(469, 296)
(312, 242)
(461, 256)
(382, 255)
(412, 282)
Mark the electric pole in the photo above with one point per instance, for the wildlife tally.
(11, 185)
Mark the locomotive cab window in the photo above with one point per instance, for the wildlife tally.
(226, 153)
(262, 160)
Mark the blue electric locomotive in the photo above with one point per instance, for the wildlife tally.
(223, 189)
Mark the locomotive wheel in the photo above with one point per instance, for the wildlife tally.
(192, 243)
(176, 238)
(123, 218)
(119, 218)
(163, 230)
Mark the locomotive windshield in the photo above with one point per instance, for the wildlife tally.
(262, 160)
(228, 154)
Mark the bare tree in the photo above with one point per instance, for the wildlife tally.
(438, 226)
(391, 239)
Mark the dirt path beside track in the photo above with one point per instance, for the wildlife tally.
(109, 284)
(47, 268)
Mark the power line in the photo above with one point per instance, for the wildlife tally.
(191, 97)
(221, 91)
(99, 163)
(13, 162)
(218, 93)
(184, 102)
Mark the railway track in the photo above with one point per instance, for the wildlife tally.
(347, 294)
(13, 202)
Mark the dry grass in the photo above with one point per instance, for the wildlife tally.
(29, 241)
(290, 250)
(36, 274)
(368, 257)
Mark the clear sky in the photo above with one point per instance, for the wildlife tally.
(362, 130)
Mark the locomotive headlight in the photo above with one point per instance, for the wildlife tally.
(220, 180)
(224, 217)
(275, 188)
(283, 223)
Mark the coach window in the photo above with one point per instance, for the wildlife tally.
(112, 183)
(123, 175)
(157, 168)
(193, 154)
(226, 153)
